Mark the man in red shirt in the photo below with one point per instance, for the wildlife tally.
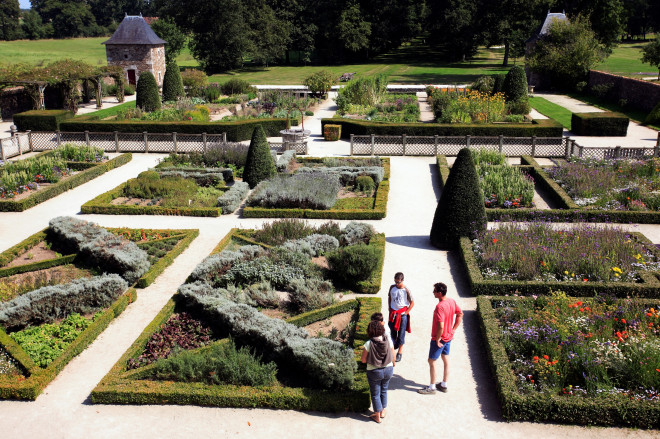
(442, 333)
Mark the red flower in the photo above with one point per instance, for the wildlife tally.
(495, 240)
(623, 321)
(546, 357)
(579, 303)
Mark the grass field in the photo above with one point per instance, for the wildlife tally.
(626, 60)
(551, 110)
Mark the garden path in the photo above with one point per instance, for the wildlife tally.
(469, 409)
(425, 110)
(637, 136)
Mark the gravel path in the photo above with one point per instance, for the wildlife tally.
(469, 409)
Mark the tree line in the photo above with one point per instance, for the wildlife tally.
(227, 34)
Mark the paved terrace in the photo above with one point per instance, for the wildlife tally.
(469, 410)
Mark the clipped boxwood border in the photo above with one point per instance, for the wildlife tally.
(379, 210)
(156, 269)
(31, 387)
(608, 410)
(649, 287)
(62, 186)
(568, 210)
(101, 205)
(120, 386)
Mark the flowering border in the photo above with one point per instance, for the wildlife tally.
(545, 408)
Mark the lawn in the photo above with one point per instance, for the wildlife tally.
(626, 60)
(412, 63)
(553, 111)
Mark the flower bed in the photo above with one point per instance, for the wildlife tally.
(590, 361)
(390, 108)
(31, 357)
(503, 186)
(293, 198)
(583, 260)
(208, 296)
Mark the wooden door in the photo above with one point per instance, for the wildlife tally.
(131, 76)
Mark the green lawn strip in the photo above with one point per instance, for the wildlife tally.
(121, 386)
(626, 60)
(63, 185)
(107, 112)
(648, 287)
(551, 110)
(346, 209)
(536, 407)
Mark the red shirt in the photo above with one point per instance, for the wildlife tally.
(444, 312)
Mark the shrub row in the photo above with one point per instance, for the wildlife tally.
(285, 160)
(63, 186)
(348, 174)
(317, 315)
(604, 123)
(539, 128)
(102, 205)
(164, 262)
(302, 191)
(202, 177)
(95, 244)
(40, 265)
(230, 200)
(37, 378)
(517, 406)
(649, 287)
(121, 387)
(41, 120)
(236, 131)
(47, 304)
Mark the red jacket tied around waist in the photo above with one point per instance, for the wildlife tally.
(395, 316)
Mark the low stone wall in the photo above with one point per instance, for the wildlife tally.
(637, 93)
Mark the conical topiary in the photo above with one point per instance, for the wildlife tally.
(259, 165)
(515, 84)
(172, 83)
(148, 97)
(461, 210)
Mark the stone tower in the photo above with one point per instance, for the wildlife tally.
(136, 48)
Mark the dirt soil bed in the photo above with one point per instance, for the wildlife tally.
(17, 284)
(127, 201)
(42, 186)
(339, 322)
(39, 252)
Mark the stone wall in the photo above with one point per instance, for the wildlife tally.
(639, 94)
(141, 58)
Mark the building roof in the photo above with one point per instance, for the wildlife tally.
(545, 27)
(134, 30)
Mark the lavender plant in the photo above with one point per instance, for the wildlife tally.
(304, 191)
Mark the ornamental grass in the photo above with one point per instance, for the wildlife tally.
(578, 348)
(611, 184)
(503, 186)
(584, 253)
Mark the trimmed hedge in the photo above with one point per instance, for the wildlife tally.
(47, 263)
(317, 315)
(332, 132)
(236, 131)
(604, 123)
(37, 378)
(516, 406)
(649, 287)
(41, 120)
(101, 205)
(8, 255)
(538, 128)
(64, 185)
(379, 210)
(120, 386)
(156, 269)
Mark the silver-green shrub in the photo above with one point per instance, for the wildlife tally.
(285, 160)
(258, 270)
(348, 174)
(112, 253)
(263, 295)
(312, 245)
(217, 264)
(355, 233)
(310, 294)
(203, 177)
(230, 200)
(47, 304)
(304, 191)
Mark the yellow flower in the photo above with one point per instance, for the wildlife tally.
(566, 272)
(616, 270)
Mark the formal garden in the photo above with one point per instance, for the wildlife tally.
(260, 323)
(61, 287)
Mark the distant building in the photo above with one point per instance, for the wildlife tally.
(137, 48)
(534, 78)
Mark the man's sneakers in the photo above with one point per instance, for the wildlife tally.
(398, 357)
(426, 391)
(441, 388)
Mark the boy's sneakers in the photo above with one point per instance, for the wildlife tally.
(441, 388)
(426, 391)
(398, 357)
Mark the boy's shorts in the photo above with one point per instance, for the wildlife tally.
(435, 351)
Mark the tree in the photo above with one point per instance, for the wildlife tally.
(461, 210)
(566, 53)
(353, 30)
(607, 18)
(148, 98)
(515, 84)
(34, 28)
(270, 35)
(69, 18)
(10, 12)
(651, 54)
(320, 82)
(172, 83)
(259, 165)
(167, 29)
(454, 28)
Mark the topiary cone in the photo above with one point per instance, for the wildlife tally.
(515, 84)
(461, 210)
(148, 97)
(172, 83)
(259, 165)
